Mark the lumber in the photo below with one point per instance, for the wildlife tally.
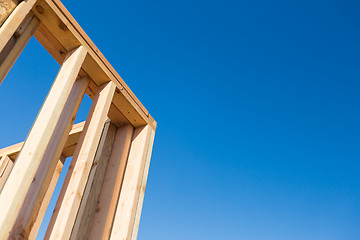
(17, 16)
(46, 200)
(6, 7)
(90, 198)
(105, 208)
(4, 160)
(16, 46)
(55, 48)
(34, 198)
(72, 192)
(103, 192)
(69, 34)
(5, 168)
(128, 207)
(143, 187)
(28, 161)
(71, 142)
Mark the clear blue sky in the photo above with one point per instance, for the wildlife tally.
(257, 104)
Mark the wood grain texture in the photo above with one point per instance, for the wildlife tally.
(132, 186)
(71, 142)
(6, 166)
(28, 161)
(73, 188)
(46, 200)
(69, 34)
(143, 187)
(6, 7)
(94, 184)
(56, 49)
(15, 47)
(17, 16)
(42, 180)
(109, 195)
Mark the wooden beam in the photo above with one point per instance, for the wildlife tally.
(28, 161)
(90, 199)
(71, 142)
(129, 205)
(9, 56)
(143, 186)
(73, 189)
(5, 168)
(12, 150)
(39, 186)
(69, 34)
(73, 139)
(46, 200)
(56, 49)
(105, 208)
(12, 23)
(6, 7)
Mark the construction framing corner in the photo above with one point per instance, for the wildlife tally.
(103, 191)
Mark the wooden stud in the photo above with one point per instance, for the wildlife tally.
(8, 57)
(46, 200)
(129, 204)
(12, 23)
(105, 208)
(69, 34)
(6, 166)
(28, 161)
(90, 199)
(56, 49)
(108, 188)
(143, 186)
(4, 160)
(73, 189)
(39, 186)
(71, 142)
(6, 7)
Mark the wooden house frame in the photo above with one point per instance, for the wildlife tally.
(103, 191)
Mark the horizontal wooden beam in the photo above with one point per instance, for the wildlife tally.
(13, 150)
(54, 16)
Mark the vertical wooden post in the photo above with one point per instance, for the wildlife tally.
(90, 198)
(39, 186)
(105, 208)
(72, 191)
(28, 161)
(46, 200)
(12, 23)
(143, 186)
(11, 45)
(133, 187)
(9, 55)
